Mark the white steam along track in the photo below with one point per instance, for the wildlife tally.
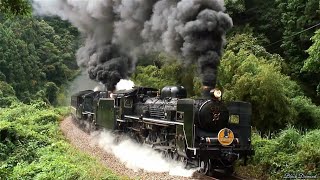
(79, 135)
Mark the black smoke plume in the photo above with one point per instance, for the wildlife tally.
(118, 31)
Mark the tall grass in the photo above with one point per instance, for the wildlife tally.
(288, 152)
(32, 147)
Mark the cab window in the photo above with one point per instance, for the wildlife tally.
(234, 119)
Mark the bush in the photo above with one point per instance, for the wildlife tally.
(32, 147)
(288, 140)
(309, 152)
(289, 151)
(308, 114)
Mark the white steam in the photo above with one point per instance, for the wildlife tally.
(136, 156)
(100, 87)
(125, 84)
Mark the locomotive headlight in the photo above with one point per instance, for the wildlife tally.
(217, 93)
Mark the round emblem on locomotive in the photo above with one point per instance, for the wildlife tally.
(225, 136)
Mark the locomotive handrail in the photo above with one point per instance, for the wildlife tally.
(154, 120)
(121, 120)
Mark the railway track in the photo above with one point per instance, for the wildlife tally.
(84, 126)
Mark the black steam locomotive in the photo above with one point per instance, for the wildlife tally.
(205, 133)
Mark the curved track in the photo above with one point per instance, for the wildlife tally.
(85, 143)
(78, 136)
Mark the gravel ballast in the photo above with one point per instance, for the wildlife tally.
(84, 142)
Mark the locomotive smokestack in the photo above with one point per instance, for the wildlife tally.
(206, 91)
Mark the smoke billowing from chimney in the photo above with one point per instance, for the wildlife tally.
(118, 31)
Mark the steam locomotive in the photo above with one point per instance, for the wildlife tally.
(206, 132)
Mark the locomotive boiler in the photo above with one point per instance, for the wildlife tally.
(205, 132)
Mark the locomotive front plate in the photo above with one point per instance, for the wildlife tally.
(225, 136)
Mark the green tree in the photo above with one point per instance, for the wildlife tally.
(286, 27)
(255, 80)
(51, 91)
(312, 64)
(235, 7)
(167, 71)
(2, 77)
(18, 62)
(262, 16)
(153, 76)
(7, 94)
(15, 7)
(32, 54)
(296, 16)
(249, 73)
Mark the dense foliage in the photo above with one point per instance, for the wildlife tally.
(36, 59)
(32, 147)
(7, 94)
(167, 71)
(287, 26)
(312, 64)
(248, 72)
(289, 152)
(15, 7)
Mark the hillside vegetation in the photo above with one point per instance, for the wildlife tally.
(288, 152)
(36, 58)
(32, 147)
(37, 61)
